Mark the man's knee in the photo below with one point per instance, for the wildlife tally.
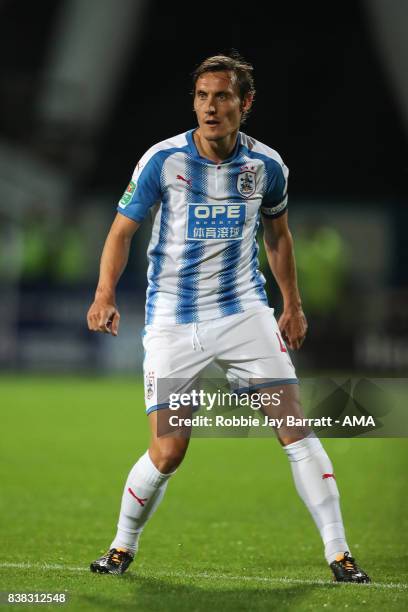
(289, 438)
(289, 435)
(168, 453)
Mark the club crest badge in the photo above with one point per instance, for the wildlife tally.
(149, 385)
(246, 183)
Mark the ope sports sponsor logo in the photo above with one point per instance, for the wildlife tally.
(215, 221)
(205, 211)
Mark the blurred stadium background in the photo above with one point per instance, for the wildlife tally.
(88, 85)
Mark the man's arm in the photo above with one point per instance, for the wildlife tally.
(103, 315)
(279, 251)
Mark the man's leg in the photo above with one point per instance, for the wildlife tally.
(267, 361)
(316, 484)
(144, 490)
(312, 472)
(146, 485)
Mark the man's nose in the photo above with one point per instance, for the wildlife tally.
(210, 107)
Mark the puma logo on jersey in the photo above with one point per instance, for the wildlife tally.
(324, 476)
(181, 178)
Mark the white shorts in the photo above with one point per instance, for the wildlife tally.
(246, 347)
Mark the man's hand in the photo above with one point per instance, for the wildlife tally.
(293, 327)
(103, 317)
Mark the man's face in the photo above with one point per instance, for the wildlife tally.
(217, 104)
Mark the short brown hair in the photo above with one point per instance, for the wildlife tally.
(232, 62)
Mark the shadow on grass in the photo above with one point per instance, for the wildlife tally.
(152, 594)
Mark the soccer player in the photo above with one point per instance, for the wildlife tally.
(206, 191)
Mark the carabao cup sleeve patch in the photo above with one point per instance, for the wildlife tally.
(215, 221)
(144, 189)
(127, 196)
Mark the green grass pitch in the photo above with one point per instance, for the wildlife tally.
(230, 535)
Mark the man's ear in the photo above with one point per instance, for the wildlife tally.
(247, 103)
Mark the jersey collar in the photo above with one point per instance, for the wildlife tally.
(195, 154)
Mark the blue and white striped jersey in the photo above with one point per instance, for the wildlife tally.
(203, 251)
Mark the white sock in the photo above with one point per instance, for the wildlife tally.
(143, 492)
(314, 479)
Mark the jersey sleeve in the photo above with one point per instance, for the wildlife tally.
(275, 199)
(144, 190)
